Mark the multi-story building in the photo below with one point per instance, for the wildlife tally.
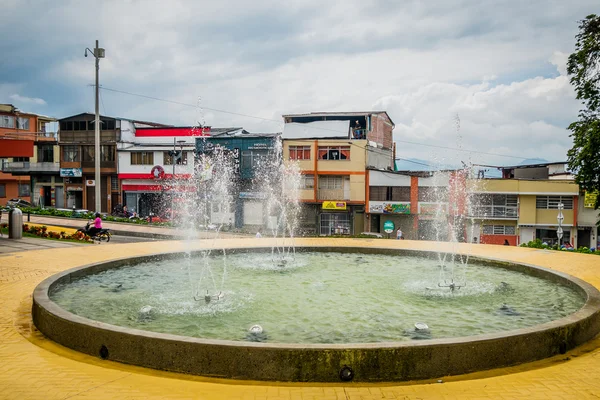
(524, 205)
(334, 152)
(252, 156)
(24, 146)
(519, 207)
(77, 158)
(150, 160)
(414, 201)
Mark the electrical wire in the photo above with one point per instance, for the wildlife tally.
(278, 122)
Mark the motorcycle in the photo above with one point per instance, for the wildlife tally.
(101, 235)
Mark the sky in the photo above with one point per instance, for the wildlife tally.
(485, 77)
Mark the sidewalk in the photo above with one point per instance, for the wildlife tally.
(129, 229)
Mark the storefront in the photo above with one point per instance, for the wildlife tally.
(335, 219)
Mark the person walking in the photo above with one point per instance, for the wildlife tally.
(399, 234)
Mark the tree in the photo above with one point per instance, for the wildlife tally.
(583, 67)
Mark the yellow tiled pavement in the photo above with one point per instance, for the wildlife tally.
(32, 367)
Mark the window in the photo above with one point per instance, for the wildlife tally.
(88, 153)
(253, 159)
(2, 190)
(335, 224)
(389, 193)
(45, 153)
(21, 159)
(168, 159)
(23, 123)
(334, 152)
(7, 121)
(307, 182)
(142, 158)
(499, 230)
(71, 154)
(551, 202)
(107, 153)
(107, 125)
(114, 183)
(299, 152)
(330, 182)
(24, 190)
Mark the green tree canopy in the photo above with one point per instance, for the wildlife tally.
(583, 68)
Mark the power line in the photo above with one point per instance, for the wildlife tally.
(280, 123)
(415, 162)
(189, 105)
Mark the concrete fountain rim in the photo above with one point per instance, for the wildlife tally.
(559, 331)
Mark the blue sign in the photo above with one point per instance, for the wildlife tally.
(71, 172)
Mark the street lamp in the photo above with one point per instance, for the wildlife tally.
(98, 53)
(560, 218)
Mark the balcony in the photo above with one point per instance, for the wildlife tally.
(30, 167)
(331, 194)
(46, 136)
(85, 137)
(495, 212)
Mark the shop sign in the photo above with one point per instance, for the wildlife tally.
(74, 189)
(90, 182)
(381, 207)
(388, 226)
(236, 161)
(334, 205)
(71, 172)
(589, 201)
(157, 172)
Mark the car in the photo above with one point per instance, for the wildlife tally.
(18, 203)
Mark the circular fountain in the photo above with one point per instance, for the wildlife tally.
(376, 312)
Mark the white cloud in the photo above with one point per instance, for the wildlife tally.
(524, 119)
(17, 98)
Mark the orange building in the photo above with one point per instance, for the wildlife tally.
(18, 133)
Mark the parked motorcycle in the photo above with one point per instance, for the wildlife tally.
(101, 235)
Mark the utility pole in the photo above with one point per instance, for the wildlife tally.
(98, 54)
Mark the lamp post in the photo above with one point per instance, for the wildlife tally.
(560, 218)
(98, 53)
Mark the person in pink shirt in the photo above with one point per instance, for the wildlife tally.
(97, 226)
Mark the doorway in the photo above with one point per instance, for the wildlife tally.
(584, 237)
(375, 223)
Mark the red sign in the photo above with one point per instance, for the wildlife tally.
(157, 172)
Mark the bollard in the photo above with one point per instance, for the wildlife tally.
(15, 224)
(28, 216)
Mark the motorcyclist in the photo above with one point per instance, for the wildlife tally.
(93, 231)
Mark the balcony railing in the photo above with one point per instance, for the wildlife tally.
(331, 194)
(496, 212)
(25, 166)
(46, 136)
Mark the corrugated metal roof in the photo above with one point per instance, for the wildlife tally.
(317, 130)
(343, 114)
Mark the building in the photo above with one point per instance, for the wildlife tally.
(334, 152)
(156, 164)
(524, 205)
(77, 158)
(253, 159)
(26, 155)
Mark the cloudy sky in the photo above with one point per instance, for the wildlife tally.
(487, 76)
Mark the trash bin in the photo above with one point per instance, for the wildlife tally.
(15, 224)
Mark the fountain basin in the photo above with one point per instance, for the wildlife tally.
(383, 361)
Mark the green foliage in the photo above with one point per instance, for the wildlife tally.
(538, 244)
(583, 68)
